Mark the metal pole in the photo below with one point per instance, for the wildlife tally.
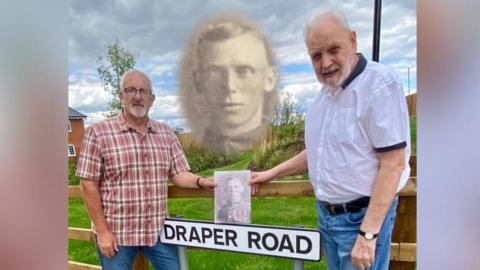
(376, 30)
(183, 257)
(182, 251)
(408, 71)
(298, 264)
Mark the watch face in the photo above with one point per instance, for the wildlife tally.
(369, 236)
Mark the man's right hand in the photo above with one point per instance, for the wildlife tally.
(107, 243)
(258, 178)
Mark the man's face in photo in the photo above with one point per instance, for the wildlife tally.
(234, 190)
(234, 75)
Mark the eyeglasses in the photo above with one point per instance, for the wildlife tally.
(131, 91)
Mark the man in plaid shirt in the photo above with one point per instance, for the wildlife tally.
(124, 165)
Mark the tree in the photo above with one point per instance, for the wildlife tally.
(287, 111)
(110, 70)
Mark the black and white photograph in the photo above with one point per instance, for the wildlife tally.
(228, 82)
(232, 197)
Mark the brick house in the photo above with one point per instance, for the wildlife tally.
(76, 129)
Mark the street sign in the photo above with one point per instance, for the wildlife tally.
(295, 243)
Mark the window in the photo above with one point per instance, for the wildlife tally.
(69, 126)
(71, 150)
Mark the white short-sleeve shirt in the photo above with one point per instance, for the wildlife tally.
(344, 132)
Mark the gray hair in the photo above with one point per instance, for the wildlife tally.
(336, 13)
(130, 72)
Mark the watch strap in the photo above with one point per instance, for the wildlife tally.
(368, 235)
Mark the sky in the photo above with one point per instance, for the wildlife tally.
(156, 32)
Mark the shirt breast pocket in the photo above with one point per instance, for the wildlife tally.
(161, 157)
(343, 126)
(118, 163)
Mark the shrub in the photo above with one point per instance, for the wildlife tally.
(72, 178)
(288, 133)
(201, 158)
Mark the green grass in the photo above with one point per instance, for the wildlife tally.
(240, 165)
(77, 214)
(81, 251)
(266, 210)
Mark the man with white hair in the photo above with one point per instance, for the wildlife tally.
(357, 147)
(124, 166)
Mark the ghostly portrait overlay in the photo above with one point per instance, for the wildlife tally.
(228, 83)
(232, 197)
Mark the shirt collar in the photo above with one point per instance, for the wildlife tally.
(151, 127)
(124, 126)
(359, 67)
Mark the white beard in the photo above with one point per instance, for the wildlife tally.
(138, 112)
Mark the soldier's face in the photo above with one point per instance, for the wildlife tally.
(235, 74)
(234, 190)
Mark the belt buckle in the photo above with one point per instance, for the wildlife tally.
(332, 209)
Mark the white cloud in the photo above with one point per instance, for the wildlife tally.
(292, 54)
(303, 93)
(87, 96)
(95, 117)
(165, 106)
(159, 70)
(298, 78)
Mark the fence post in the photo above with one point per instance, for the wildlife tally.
(405, 230)
(298, 264)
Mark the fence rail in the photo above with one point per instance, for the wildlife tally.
(286, 188)
(403, 254)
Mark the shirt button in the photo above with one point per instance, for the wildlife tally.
(147, 173)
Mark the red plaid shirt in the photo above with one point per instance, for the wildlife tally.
(133, 170)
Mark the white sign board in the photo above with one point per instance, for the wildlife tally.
(295, 243)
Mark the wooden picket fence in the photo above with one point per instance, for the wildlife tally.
(403, 248)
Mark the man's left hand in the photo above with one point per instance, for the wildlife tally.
(363, 253)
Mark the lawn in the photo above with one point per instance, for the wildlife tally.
(242, 164)
(266, 210)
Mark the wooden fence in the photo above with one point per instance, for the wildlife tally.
(412, 104)
(403, 247)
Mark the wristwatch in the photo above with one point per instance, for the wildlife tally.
(368, 235)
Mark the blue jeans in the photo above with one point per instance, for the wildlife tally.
(162, 256)
(339, 233)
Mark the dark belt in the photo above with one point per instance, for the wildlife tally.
(348, 207)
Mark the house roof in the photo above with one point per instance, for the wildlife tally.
(73, 114)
